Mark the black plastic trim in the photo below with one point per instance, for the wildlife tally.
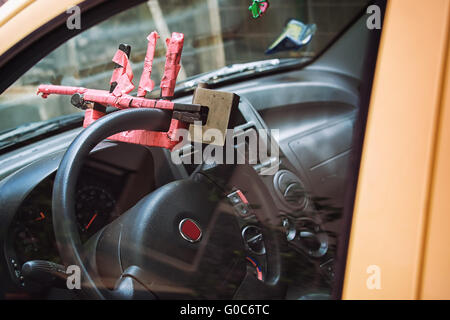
(355, 161)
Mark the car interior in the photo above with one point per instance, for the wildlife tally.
(114, 208)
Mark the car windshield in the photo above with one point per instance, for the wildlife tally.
(218, 33)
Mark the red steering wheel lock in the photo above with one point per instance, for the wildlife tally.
(211, 108)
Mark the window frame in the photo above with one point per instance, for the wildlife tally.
(26, 53)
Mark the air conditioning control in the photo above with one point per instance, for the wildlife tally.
(311, 238)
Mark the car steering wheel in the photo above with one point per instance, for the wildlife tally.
(146, 246)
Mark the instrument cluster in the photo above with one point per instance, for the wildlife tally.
(95, 206)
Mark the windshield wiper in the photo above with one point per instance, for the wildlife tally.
(35, 129)
(235, 71)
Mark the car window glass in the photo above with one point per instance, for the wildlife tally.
(217, 33)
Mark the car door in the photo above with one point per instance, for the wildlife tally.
(400, 223)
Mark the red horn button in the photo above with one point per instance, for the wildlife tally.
(189, 230)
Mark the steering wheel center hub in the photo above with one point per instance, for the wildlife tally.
(186, 238)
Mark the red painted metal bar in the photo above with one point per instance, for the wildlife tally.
(146, 84)
(121, 85)
(173, 66)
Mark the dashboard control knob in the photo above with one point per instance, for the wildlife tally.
(289, 229)
(253, 239)
(311, 238)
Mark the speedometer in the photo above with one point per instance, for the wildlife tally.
(32, 232)
(94, 207)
